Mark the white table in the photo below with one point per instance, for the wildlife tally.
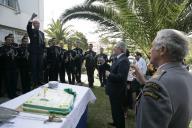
(84, 96)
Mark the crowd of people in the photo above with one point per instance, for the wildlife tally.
(37, 64)
(157, 89)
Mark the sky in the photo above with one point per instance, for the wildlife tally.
(53, 10)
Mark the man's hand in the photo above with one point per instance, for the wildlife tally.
(33, 16)
(107, 73)
(138, 74)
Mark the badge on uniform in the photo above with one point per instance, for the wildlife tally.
(151, 89)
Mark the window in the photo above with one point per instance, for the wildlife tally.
(1, 1)
(9, 3)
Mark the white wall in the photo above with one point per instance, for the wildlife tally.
(27, 7)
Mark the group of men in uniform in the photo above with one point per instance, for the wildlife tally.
(55, 63)
(60, 61)
(14, 59)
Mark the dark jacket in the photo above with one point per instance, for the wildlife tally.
(116, 82)
(9, 55)
(70, 58)
(90, 59)
(79, 56)
(22, 57)
(53, 55)
(37, 43)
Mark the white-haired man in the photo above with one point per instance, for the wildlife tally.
(166, 99)
(36, 49)
(116, 84)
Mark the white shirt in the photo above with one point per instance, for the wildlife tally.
(142, 65)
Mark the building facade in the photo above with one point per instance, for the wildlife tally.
(14, 15)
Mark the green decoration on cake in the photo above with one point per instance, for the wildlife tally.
(51, 101)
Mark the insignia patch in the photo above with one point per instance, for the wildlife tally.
(152, 85)
(151, 89)
(151, 94)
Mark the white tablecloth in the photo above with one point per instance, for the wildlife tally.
(84, 96)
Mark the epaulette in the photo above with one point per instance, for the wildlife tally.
(158, 74)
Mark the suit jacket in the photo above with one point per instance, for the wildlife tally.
(79, 56)
(90, 61)
(37, 43)
(166, 100)
(53, 55)
(116, 82)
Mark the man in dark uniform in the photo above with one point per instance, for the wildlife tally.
(9, 58)
(166, 99)
(78, 62)
(36, 49)
(62, 65)
(90, 64)
(70, 64)
(53, 59)
(116, 84)
(102, 66)
(23, 63)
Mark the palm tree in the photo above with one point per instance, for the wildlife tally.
(56, 30)
(137, 20)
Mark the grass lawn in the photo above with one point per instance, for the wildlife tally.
(100, 112)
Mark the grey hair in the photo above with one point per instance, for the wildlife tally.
(121, 45)
(176, 43)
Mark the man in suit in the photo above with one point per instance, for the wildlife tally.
(36, 49)
(116, 84)
(166, 99)
(78, 62)
(90, 64)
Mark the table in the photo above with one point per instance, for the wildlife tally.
(74, 119)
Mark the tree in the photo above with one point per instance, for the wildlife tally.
(137, 20)
(78, 36)
(56, 30)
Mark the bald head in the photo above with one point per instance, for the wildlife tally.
(36, 24)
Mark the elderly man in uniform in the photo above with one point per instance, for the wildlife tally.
(166, 99)
(36, 49)
(116, 84)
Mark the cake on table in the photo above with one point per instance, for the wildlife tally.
(50, 101)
